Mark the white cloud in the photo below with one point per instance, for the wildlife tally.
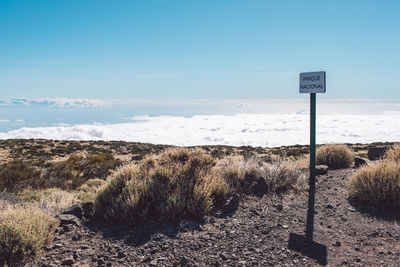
(4, 121)
(241, 129)
(19, 120)
(55, 102)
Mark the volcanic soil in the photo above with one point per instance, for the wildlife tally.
(263, 231)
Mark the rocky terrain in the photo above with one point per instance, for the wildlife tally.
(256, 234)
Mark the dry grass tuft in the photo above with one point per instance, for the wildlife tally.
(179, 182)
(88, 191)
(334, 156)
(377, 185)
(393, 154)
(241, 174)
(24, 230)
(54, 200)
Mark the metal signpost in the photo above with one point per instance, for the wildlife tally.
(312, 83)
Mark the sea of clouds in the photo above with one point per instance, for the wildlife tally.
(236, 122)
(236, 130)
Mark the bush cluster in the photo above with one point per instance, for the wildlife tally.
(24, 230)
(334, 156)
(378, 185)
(68, 174)
(179, 182)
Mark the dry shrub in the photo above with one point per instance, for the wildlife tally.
(51, 199)
(24, 230)
(393, 154)
(377, 185)
(241, 174)
(282, 176)
(179, 182)
(56, 200)
(334, 156)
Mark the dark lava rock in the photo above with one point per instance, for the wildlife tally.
(74, 210)
(259, 187)
(359, 161)
(88, 210)
(67, 262)
(231, 204)
(321, 169)
(375, 153)
(279, 206)
(66, 219)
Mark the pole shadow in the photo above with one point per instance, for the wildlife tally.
(312, 249)
(305, 244)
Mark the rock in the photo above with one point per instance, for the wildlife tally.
(58, 245)
(223, 256)
(88, 210)
(184, 261)
(121, 255)
(66, 219)
(378, 152)
(231, 204)
(321, 170)
(338, 244)
(279, 206)
(329, 206)
(359, 161)
(68, 262)
(259, 187)
(74, 210)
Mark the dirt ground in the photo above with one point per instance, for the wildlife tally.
(257, 234)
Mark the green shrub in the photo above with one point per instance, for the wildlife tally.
(377, 185)
(77, 169)
(24, 230)
(17, 175)
(334, 156)
(179, 182)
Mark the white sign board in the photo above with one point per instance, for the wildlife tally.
(312, 82)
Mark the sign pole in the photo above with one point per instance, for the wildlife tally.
(311, 194)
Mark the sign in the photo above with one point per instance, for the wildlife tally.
(312, 82)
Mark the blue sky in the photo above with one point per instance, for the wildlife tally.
(197, 49)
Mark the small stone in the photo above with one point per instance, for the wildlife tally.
(184, 261)
(68, 262)
(153, 262)
(321, 170)
(66, 219)
(231, 204)
(223, 256)
(121, 255)
(359, 161)
(74, 210)
(285, 226)
(58, 245)
(329, 206)
(338, 244)
(279, 206)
